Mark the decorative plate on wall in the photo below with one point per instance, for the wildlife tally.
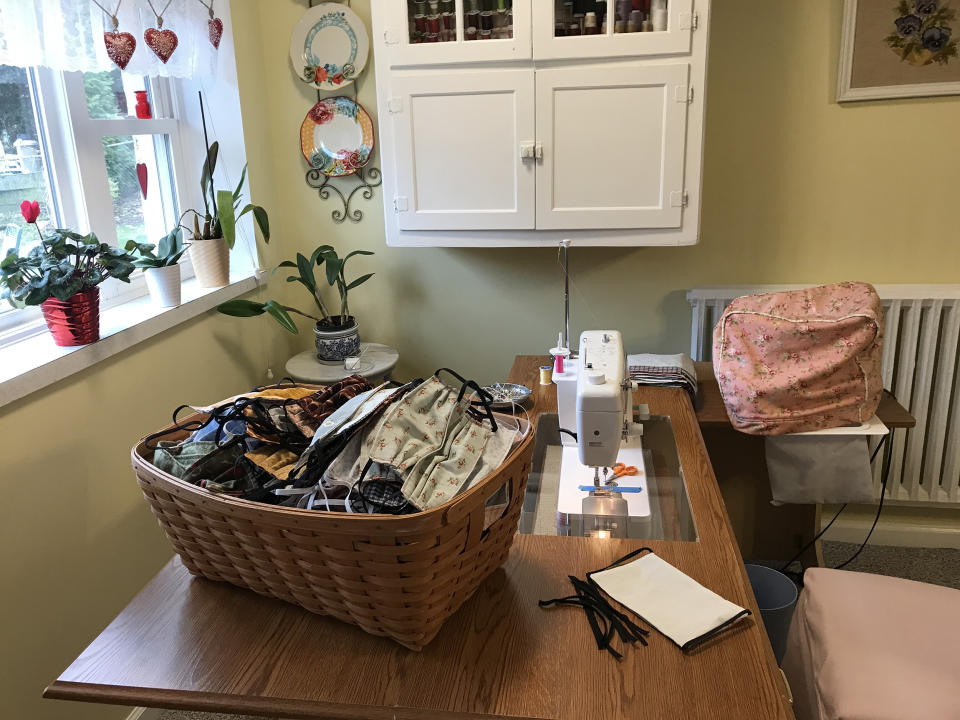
(329, 46)
(336, 136)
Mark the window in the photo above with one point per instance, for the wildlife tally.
(100, 152)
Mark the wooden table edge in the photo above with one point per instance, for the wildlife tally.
(776, 676)
(196, 701)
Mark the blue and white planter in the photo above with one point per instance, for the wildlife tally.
(334, 345)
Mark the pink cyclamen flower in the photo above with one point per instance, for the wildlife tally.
(30, 210)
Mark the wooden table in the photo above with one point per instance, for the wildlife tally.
(190, 643)
(764, 532)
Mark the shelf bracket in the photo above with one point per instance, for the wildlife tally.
(369, 178)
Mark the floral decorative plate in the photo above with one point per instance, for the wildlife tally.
(329, 46)
(336, 136)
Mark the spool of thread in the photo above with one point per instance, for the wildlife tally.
(558, 364)
(658, 15)
(546, 375)
(590, 24)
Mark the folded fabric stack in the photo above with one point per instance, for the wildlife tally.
(347, 447)
(664, 370)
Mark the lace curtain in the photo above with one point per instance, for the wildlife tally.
(68, 35)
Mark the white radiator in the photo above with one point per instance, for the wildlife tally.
(920, 367)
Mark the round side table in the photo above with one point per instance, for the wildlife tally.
(376, 363)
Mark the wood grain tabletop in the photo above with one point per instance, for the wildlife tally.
(712, 412)
(190, 643)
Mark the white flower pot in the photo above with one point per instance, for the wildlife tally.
(164, 284)
(211, 262)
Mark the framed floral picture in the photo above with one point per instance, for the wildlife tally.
(899, 48)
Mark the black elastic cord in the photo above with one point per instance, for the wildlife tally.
(843, 507)
(883, 493)
(605, 620)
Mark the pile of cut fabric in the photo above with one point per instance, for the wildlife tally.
(664, 370)
(347, 447)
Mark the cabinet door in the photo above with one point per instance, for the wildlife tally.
(459, 139)
(433, 32)
(559, 34)
(613, 142)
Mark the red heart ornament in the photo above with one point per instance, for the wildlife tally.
(142, 177)
(162, 42)
(215, 31)
(120, 47)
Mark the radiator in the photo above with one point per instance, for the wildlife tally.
(920, 367)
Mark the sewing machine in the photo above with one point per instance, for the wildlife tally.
(596, 414)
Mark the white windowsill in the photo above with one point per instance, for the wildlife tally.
(36, 362)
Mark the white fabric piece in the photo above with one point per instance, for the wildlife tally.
(68, 35)
(669, 600)
(819, 469)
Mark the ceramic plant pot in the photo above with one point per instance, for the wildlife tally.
(335, 343)
(211, 262)
(164, 285)
(75, 321)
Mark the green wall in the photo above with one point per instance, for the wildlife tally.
(796, 189)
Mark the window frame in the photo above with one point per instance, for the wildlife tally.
(72, 144)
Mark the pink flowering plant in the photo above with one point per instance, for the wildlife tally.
(62, 265)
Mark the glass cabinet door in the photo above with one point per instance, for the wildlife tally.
(576, 29)
(428, 32)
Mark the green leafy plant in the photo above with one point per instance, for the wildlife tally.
(168, 251)
(220, 216)
(335, 275)
(64, 264)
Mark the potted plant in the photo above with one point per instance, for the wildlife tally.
(214, 231)
(337, 336)
(61, 275)
(160, 268)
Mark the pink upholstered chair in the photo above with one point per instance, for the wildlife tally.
(869, 647)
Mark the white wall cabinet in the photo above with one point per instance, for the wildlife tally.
(529, 139)
(457, 143)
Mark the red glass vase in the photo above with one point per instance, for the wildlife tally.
(75, 321)
(142, 108)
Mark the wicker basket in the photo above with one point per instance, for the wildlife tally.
(398, 576)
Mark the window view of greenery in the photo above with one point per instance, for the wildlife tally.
(22, 172)
(139, 216)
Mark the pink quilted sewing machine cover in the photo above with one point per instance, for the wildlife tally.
(801, 360)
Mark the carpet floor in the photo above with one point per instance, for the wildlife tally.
(939, 566)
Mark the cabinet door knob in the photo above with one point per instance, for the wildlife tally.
(538, 151)
(527, 151)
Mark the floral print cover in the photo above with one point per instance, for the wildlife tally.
(802, 360)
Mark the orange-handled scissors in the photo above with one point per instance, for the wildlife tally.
(620, 470)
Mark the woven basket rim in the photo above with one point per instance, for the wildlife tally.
(139, 461)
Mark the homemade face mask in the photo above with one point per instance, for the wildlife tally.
(417, 426)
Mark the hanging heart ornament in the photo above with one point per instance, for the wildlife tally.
(120, 47)
(162, 42)
(215, 31)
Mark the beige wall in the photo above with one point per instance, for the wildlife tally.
(796, 189)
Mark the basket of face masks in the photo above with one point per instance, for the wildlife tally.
(384, 507)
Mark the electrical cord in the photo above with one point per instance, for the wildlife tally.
(883, 490)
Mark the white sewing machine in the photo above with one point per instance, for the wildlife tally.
(595, 402)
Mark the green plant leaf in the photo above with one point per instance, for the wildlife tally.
(263, 222)
(227, 220)
(357, 252)
(209, 165)
(359, 281)
(242, 308)
(334, 265)
(175, 258)
(306, 272)
(279, 314)
(243, 176)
